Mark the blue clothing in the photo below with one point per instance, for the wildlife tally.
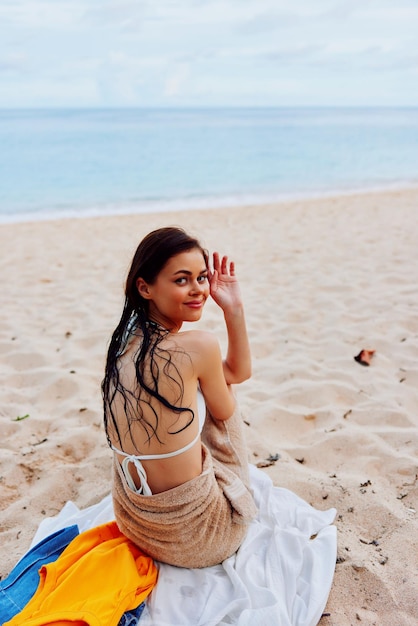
(131, 618)
(20, 585)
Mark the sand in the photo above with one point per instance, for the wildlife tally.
(322, 279)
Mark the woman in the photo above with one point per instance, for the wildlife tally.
(180, 488)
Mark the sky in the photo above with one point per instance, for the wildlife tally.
(117, 53)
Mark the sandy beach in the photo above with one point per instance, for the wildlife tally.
(322, 279)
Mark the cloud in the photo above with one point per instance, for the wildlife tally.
(203, 51)
(13, 62)
(267, 22)
(44, 92)
(303, 53)
(40, 14)
(177, 80)
(344, 9)
(130, 80)
(123, 15)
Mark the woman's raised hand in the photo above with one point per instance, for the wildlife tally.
(224, 287)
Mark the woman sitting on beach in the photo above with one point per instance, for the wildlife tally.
(180, 479)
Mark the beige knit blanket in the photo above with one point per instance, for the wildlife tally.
(203, 521)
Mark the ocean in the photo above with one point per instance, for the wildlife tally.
(76, 162)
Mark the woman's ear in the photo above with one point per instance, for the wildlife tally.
(143, 288)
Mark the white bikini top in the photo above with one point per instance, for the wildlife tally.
(136, 459)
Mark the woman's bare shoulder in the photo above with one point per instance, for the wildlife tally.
(201, 340)
(205, 352)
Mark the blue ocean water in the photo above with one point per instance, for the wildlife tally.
(81, 162)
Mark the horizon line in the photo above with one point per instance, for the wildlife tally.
(202, 107)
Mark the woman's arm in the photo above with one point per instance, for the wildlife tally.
(207, 361)
(224, 289)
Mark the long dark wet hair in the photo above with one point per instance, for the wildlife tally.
(152, 254)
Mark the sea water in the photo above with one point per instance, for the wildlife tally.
(95, 162)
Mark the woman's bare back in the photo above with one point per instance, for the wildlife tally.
(156, 429)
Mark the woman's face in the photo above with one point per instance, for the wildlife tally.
(180, 290)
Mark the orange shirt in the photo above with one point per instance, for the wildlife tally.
(100, 575)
